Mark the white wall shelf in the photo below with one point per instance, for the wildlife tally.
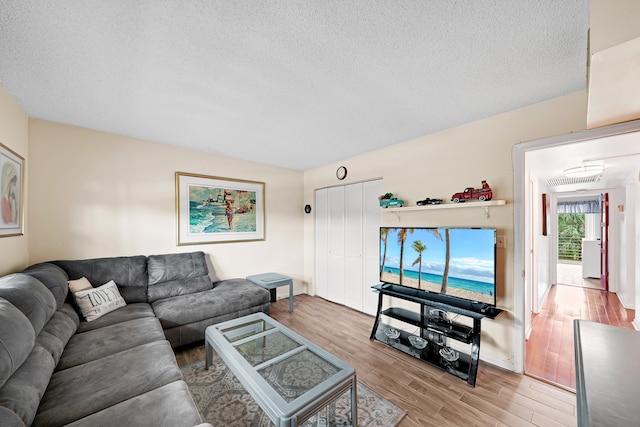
(462, 205)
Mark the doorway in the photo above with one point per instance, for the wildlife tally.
(613, 140)
(578, 241)
(577, 293)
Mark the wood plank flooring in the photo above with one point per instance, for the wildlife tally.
(429, 396)
(550, 349)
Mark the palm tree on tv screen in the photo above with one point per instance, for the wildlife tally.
(438, 235)
(445, 273)
(402, 236)
(384, 235)
(419, 247)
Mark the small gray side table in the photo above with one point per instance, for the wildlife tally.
(272, 281)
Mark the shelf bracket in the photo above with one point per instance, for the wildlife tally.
(487, 214)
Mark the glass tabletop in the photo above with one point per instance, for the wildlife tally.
(266, 347)
(247, 329)
(295, 375)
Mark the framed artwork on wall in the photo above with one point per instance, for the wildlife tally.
(216, 210)
(12, 191)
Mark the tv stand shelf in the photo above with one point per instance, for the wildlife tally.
(435, 328)
(441, 326)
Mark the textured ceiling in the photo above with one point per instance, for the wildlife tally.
(292, 83)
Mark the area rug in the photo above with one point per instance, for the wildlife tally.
(223, 401)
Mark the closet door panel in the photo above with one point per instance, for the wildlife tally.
(335, 282)
(322, 243)
(372, 221)
(353, 246)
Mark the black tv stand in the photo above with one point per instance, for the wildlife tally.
(434, 327)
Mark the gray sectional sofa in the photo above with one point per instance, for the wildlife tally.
(119, 369)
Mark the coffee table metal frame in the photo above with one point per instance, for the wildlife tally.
(281, 412)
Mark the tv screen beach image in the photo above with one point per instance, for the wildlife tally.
(459, 262)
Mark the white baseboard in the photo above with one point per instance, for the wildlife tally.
(504, 364)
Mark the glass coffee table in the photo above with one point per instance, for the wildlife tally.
(287, 375)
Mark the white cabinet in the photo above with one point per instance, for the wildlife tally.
(591, 258)
(347, 238)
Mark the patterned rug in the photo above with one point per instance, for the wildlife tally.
(223, 401)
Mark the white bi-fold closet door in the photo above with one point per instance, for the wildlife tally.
(348, 221)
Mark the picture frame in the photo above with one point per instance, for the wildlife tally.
(11, 192)
(211, 209)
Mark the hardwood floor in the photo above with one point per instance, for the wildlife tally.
(549, 349)
(429, 396)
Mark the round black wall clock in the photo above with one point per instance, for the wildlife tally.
(341, 172)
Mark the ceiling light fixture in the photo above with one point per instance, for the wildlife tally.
(583, 171)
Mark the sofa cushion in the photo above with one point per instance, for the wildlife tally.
(179, 287)
(29, 296)
(16, 339)
(128, 312)
(56, 333)
(194, 332)
(92, 345)
(177, 274)
(228, 296)
(96, 302)
(53, 277)
(22, 392)
(169, 405)
(8, 418)
(82, 390)
(164, 268)
(130, 273)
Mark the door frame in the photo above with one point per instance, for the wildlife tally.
(604, 240)
(521, 286)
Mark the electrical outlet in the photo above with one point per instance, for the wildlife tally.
(501, 241)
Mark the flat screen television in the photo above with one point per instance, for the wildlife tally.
(456, 262)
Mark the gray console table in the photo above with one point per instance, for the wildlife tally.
(272, 281)
(607, 374)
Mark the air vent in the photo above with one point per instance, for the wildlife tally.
(556, 182)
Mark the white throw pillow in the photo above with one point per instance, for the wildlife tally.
(80, 284)
(99, 301)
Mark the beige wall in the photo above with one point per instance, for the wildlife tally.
(14, 133)
(441, 164)
(614, 64)
(95, 194)
(612, 22)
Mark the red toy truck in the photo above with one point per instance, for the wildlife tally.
(469, 193)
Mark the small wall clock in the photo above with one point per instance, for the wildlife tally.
(341, 173)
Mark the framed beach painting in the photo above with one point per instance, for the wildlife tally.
(211, 209)
(12, 190)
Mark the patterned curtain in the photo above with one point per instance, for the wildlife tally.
(584, 207)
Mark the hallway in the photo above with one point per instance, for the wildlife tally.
(549, 349)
